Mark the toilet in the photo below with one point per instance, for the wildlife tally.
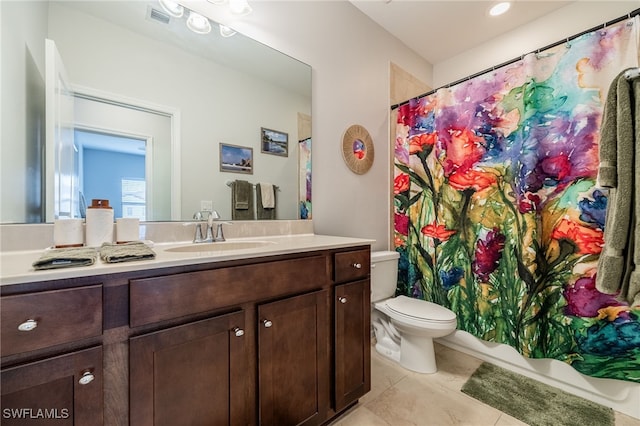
(405, 327)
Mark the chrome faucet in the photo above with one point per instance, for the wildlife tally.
(198, 238)
(219, 234)
(213, 216)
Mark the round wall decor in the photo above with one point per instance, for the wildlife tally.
(357, 149)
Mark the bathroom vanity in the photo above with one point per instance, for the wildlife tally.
(274, 335)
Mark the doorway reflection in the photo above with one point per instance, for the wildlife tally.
(112, 167)
(126, 141)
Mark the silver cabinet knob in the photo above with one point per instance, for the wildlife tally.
(342, 299)
(238, 332)
(357, 265)
(28, 325)
(86, 378)
(267, 323)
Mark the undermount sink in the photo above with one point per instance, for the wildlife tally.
(218, 246)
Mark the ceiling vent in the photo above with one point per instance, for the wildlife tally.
(157, 15)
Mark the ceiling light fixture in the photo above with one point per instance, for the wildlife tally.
(198, 23)
(172, 8)
(499, 8)
(226, 31)
(240, 7)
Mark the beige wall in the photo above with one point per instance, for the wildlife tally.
(404, 85)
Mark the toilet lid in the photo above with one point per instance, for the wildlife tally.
(420, 309)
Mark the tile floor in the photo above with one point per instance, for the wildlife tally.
(400, 397)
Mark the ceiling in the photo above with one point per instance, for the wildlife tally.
(426, 26)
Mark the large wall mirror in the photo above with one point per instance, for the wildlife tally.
(138, 106)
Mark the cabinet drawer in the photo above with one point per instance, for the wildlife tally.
(57, 317)
(351, 265)
(172, 296)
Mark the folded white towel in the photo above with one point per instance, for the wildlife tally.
(267, 195)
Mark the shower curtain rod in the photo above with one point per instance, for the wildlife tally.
(511, 61)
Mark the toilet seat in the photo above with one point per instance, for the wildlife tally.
(417, 310)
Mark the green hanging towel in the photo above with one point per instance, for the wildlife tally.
(241, 200)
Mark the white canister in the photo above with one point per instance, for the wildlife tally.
(68, 233)
(99, 223)
(127, 229)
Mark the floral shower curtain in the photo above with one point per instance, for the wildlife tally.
(498, 215)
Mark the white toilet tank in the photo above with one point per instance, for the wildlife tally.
(384, 274)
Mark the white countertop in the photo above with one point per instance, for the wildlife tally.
(16, 266)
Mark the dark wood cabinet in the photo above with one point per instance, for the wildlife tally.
(256, 341)
(293, 362)
(61, 390)
(352, 348)
(193, 374)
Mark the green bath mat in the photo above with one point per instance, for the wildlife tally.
(533, 402)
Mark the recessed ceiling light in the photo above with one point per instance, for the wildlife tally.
(198, 23)
(499, 8)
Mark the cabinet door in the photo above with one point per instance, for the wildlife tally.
(352, 342)
(192, 374)
(63, 390)
(293, 364)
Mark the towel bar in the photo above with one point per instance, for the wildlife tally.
(230, 182)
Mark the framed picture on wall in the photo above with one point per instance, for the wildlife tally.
(236, 159)
(274, 142)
